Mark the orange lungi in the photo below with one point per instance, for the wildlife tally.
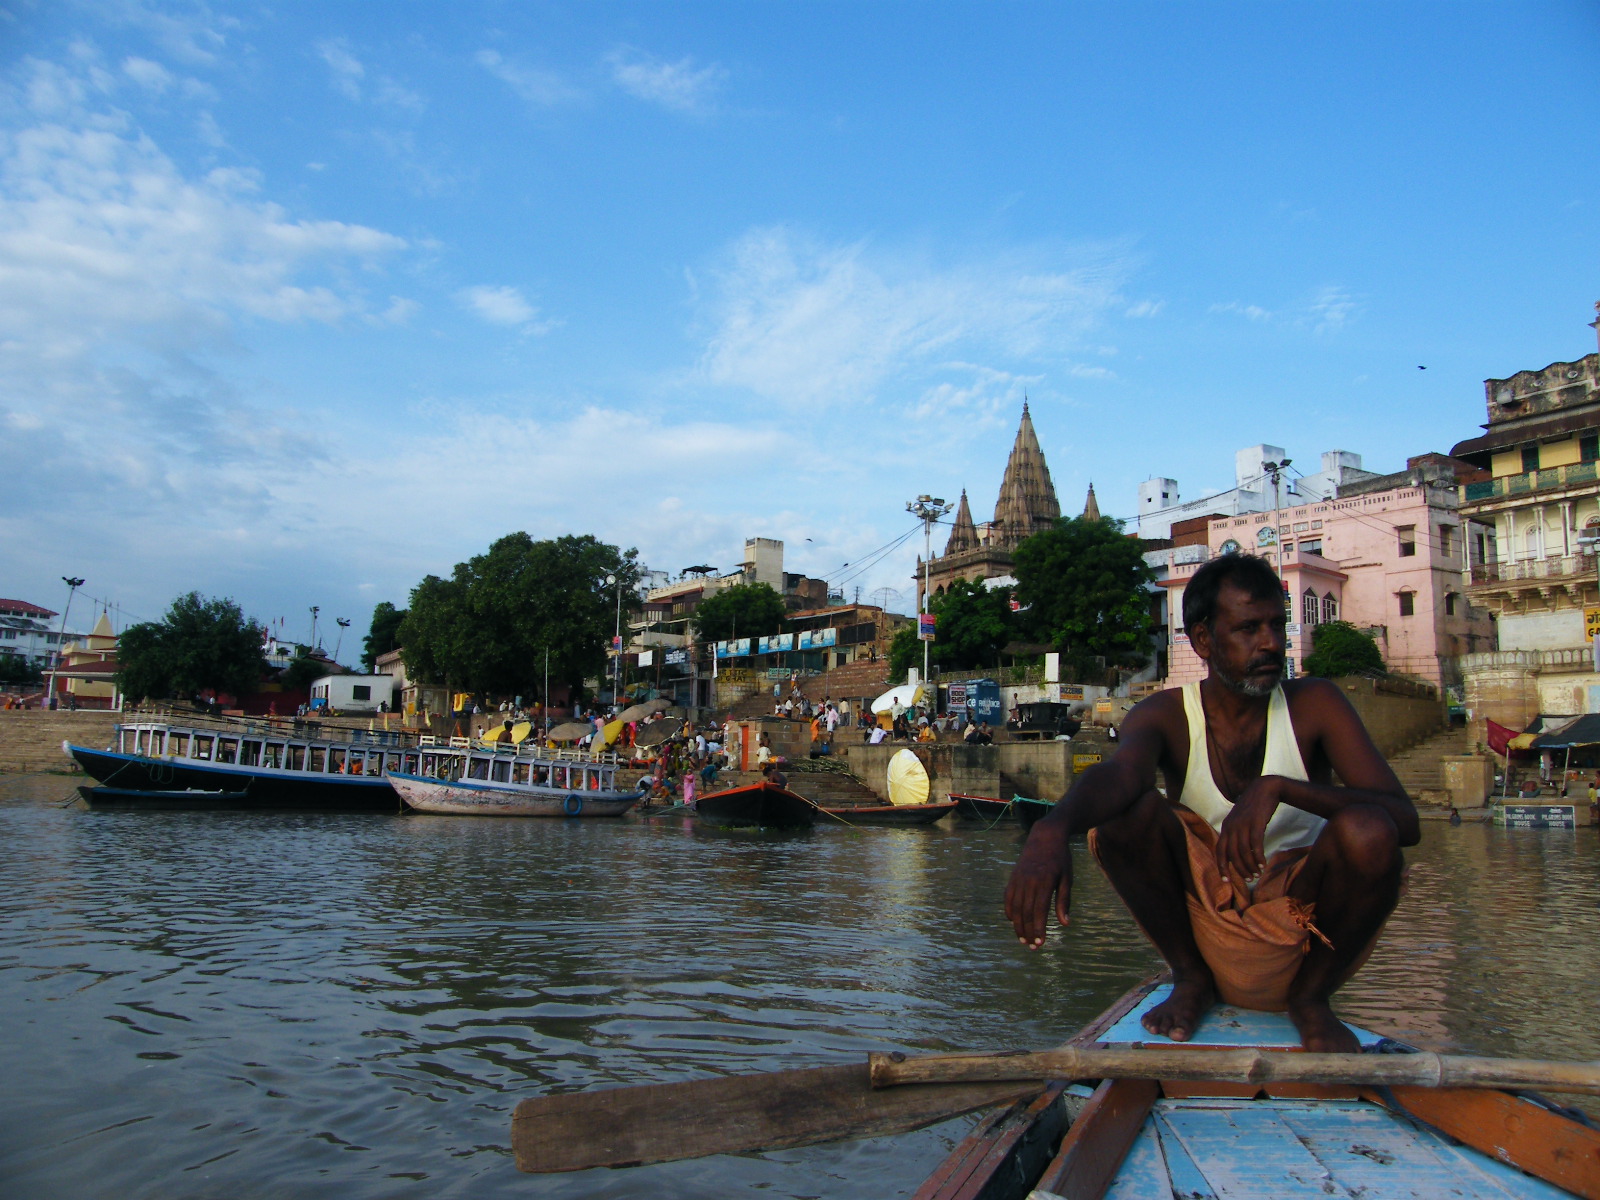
(1254, 943)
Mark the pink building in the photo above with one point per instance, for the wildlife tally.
(1392, 562)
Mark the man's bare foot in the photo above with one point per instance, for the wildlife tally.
(1179, 1014)
(1320, 1031)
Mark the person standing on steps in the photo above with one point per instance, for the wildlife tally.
(1259, 882)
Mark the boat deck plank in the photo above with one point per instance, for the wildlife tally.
(1222, 1026)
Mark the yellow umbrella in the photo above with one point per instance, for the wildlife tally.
(519, 731)
(612, 732)
(908, 779)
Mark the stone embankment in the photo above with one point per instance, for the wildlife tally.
(30, 739)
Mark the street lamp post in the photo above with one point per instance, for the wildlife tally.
(927, 509)
(50, 692)
(616, 645)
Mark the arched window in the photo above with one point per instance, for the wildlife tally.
(1533, 541)
(1228, 547)
(1330, 607)
(1310, 607)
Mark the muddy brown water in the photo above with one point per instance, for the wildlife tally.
(300, 1005)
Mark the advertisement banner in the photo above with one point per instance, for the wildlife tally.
(676, 658)
(825, 637)
(763, 645)
(782, 641)
(805, 638)
(926, 622)
(647, 658)
(741, 648)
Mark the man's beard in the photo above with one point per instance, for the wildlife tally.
(1244, 684)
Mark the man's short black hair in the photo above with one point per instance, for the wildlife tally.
(1252, 575)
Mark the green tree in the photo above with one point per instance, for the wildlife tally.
(383, 635)
(18, 668)
(1083, 585)
(201, 645)
(743, 610)
(304, 670)
(974, 624)
(486, 629)
(1339, 648)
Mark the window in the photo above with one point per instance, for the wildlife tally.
(1228, 547)
(1449, 604)
(1310, 607)
(1482, 555)
(360, 691)
(1533, 541)
(1313, 546)
(1588, 447)
(1408, 540)
(1447, 540)
(1330, 607)
(1407, 603)
(1530, 457)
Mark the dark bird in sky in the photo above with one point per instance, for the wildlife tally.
(1422, 368)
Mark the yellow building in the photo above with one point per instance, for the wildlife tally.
(87, 670)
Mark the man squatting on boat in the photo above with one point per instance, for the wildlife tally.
(1258, 881)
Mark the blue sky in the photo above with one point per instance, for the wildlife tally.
(302, 302)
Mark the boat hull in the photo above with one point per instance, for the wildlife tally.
(893, 814)
(1135, 1138)
(265, 787)
(764, 805)
(111, 797)
(992, 810)
(467, 798)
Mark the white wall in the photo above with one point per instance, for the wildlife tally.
(1542, 631)
(339, 691)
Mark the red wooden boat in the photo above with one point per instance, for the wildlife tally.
(762, 804)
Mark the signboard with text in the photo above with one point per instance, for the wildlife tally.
(926, 622)
(1591, 623)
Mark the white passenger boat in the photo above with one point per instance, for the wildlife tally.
(493, 783)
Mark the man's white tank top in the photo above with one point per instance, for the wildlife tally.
(1289, 827)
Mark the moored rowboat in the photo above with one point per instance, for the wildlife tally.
(991, 809)
(892, 814)
(759, 804)
(471, 798)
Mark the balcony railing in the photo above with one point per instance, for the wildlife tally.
(1532, 481)
(1556, 567)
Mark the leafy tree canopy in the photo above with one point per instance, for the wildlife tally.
(305, 670)
(1339, 648)
(974, 624)
(18, 668)
(383, 635)
(1083, 588)
(485, 629)
(201, 645)
(743, 610)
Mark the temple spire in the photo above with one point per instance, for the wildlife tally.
(1027, 502)
(964, 535)
(1091, 508)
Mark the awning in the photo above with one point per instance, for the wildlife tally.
(1582, 731)
(1502, 436)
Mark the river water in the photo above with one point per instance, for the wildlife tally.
(289, 1005)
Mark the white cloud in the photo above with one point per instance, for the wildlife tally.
(502, 306)
(1330, 309)
(347, 69)
(680, 86)
(534, 84)
(151, 76)
(1254, 311)
(1145, 308)
(350, 78)
(399, 312)
(804, 322)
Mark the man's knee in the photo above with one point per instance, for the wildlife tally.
(1365, 840)
(1133, 832)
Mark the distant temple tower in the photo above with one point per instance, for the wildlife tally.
(1091, 506)
(1027, 505)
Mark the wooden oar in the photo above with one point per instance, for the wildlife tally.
(736, 1114)
(1241, 1065)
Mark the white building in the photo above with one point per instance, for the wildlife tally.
(31, 632)
(353, 693)
(1160, 503)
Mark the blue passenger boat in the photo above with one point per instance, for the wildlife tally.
(1132, 1139)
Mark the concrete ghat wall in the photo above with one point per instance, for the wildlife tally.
(1394, 720)
(1042, 769)
(30, 739)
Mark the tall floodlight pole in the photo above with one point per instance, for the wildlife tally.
(616, 645)
(927, 509)
(72, 586)
(315, 609)
(343, 624)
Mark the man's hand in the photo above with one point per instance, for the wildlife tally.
(1043, 871)
(1242, 840)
